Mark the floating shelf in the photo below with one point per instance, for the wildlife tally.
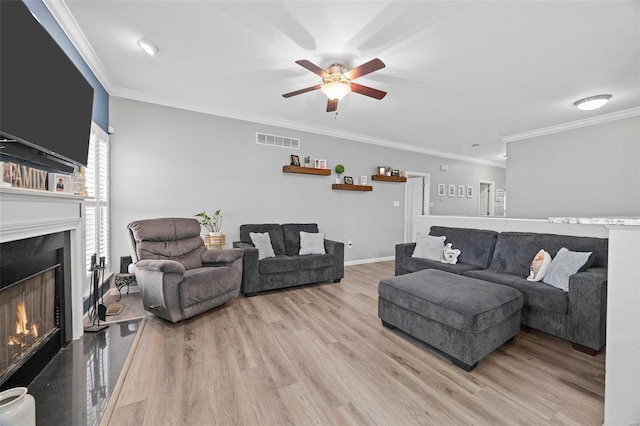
(389, 178)
(345, 187)
(306, 170)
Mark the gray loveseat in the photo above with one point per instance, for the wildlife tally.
(578, 315)
(287, 268)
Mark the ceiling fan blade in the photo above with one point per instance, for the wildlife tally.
(332, 105)
(368, 91)
(364, 69)
(301, 91)
(312, 67)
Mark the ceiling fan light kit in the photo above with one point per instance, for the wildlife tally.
(592, 102)
(336, 83)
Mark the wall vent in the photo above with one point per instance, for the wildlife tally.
(279, 141)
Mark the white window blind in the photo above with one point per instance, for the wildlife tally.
(97, 206)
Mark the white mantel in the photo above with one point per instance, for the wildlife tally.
(28, 213)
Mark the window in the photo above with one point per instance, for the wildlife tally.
(97, 206)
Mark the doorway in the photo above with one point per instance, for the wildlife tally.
(416, 201)
(486, 192)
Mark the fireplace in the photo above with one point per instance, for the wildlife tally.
(33, 294)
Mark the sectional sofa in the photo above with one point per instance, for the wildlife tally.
(578, 315)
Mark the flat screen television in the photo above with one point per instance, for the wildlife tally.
(45, 101)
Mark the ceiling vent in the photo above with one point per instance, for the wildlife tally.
(279, 141)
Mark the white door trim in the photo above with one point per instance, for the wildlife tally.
(426, 200)
(492, 196)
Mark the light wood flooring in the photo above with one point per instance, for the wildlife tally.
(320, 355)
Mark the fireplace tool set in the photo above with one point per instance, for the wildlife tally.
(97, 311)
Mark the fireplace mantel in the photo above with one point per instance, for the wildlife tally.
(29, 213)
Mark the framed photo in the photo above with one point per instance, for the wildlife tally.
(499, 195)
(363, 180)
(60, 183)
(395, 172)
(382, 170)
(469, 191)
(295, 160)
(452, 190)
(442, 190)
(348, 180)
(461, 191)
(320, 164)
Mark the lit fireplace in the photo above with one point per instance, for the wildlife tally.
(27, 308)
(26, 332)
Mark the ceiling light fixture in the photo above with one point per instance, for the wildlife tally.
(592, 102)
(336, 86)
(149, 48)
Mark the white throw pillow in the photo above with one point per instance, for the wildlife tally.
(539, 266)
(311, 243)
(428, 247)
(565, 264)
(262, 241)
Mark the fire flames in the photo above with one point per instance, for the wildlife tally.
(23, 327)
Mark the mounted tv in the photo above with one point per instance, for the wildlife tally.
(45, 101)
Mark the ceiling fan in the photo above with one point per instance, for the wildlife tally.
(337, 82)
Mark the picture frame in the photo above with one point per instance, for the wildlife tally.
(469, 191)
(320, 164)
(348, 180)
(442, 190)
(395, 172)
(363, 180)
(452, 191)
(382, 170)
(461, 192)
(295, 160)
(60, 183)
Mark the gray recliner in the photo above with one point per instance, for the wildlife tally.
(178, 277)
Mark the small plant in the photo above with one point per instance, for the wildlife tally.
(212, 224)
(339, 169)
(307, 160)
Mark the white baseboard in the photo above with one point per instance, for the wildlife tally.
(363, 261)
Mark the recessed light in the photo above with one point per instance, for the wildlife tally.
(592, 102)
(150, 48)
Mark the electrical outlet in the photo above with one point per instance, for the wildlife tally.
(349, 244)
(396, 204)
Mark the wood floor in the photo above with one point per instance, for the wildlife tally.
(319, 355)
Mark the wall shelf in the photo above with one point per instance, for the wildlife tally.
(306, 170)
(345, 187)
(389, 178)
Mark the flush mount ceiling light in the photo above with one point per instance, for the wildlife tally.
(149, 48)
(592, 102)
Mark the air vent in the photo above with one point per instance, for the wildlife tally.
(279, 141)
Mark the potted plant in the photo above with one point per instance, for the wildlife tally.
(307, 161)
(339, 170)
(212, 224)
(388, 169)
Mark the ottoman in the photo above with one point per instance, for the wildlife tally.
(466, 318)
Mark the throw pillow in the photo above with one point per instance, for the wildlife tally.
(262, 242)
(429, 247)
(539, 266)
(450, 255)
(565, 264)
(311, 243)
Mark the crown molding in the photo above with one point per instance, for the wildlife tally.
(272, 121)
(69, 25)
(618, 115)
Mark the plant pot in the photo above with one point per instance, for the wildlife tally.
(338, 180)
(17, 407)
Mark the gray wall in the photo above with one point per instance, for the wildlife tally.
(590, 171)
(172, 162)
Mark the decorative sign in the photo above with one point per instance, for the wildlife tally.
(20, 176)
